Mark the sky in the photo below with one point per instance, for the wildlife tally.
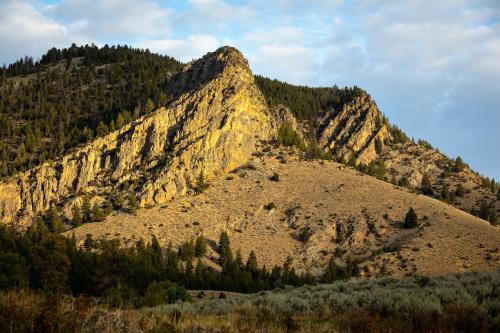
(433, 67)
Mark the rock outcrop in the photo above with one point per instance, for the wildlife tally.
(352, 131)
(212, 127)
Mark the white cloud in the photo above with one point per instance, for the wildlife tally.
(192, 47)
(219, 10)
(25, 31)
(292, 63)
(112, 19)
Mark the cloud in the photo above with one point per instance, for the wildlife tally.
(192, 47)
(112, 19)
(274, 60)
(25, 31)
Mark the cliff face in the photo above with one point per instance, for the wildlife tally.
(352, 131)
(212, 127)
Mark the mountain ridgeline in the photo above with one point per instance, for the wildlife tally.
(115, 122)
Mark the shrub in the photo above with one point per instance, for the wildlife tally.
(270, 206)
(275, 177)
(403, 182)
(459, 191)
(201, 184)
(287, 136)
(304, 234)
(132, 204)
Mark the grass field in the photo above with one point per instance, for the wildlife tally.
(467, 302)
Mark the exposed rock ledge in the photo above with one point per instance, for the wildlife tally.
(352, 131)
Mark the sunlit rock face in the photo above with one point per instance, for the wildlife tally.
(214, 125)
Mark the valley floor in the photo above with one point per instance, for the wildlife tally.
(452, 303)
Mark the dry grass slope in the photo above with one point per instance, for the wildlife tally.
(349, 214)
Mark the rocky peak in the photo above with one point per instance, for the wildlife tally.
(214, 125)
(214, 64)
(353, 130)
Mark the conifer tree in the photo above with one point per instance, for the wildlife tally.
(76, 220)
(427, 185)
(150, 106)
(200, 246)
(225, 248)
(378, 146)
(55, 222)
(86, 209)
(251, 265)
(411, 220)
(97, 215)
(132, 203)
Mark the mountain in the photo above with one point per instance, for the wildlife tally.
(280, 168)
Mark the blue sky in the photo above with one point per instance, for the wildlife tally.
(432, 66)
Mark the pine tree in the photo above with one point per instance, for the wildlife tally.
(86, 209)
(88, 244)
(76, 221)
(108, 207)
(97, 215)
(459, 191)
(200, 246)
(378, 146)
(251, 265)
(55, 222)
(41, 227)
(459, 164)
(445, 193)
(427, 185)
(150, 106)
(225, 248)
(132, 204)
(102, 129)
(411, 220)
(201, 184)
(120, 121)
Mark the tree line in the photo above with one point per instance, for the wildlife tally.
(59, 107)
(143, 274)
(305, 102)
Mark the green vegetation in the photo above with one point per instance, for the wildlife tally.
(201, 184)
(200, 247)
(305, 102)
(304, 234)
(411, 220)
(128, 277)
(287, 136)
(133, 205)
(487, 212)
(379, 146)
(275, 177)
(375, 168)
(398, 136)
(459, 165)
(466, 302)
(427, 185)
(73, 95)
